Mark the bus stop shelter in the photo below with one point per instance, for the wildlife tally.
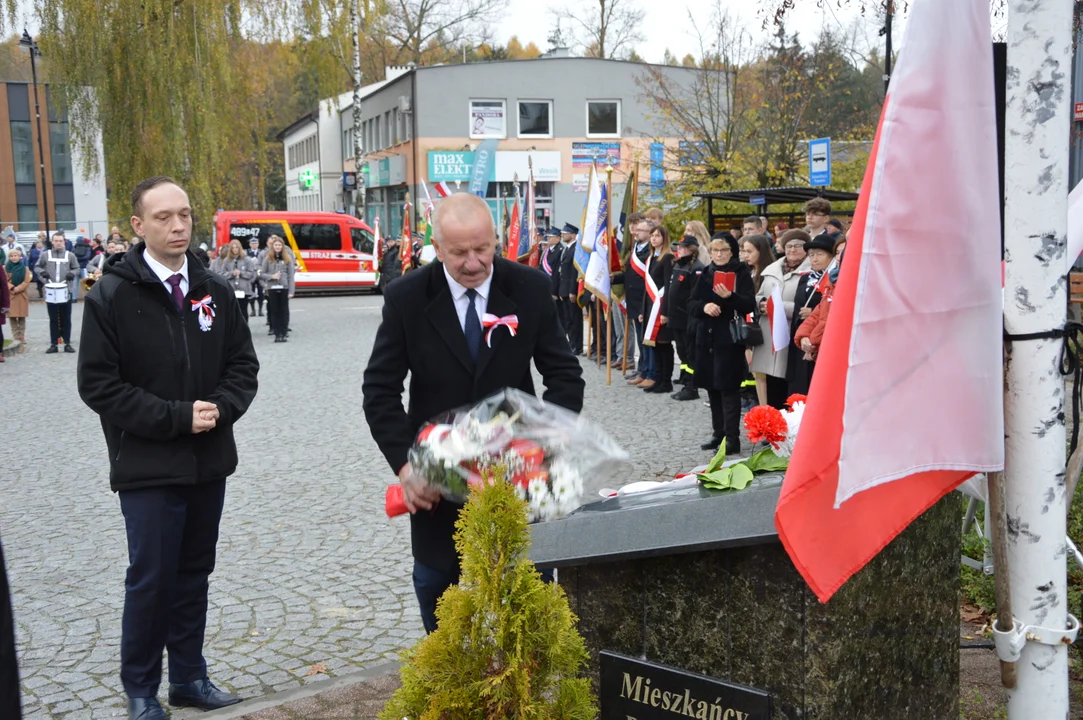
(761, 199)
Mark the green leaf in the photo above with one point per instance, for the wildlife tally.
(717, 480)
(718, 459)
(740, 477)
(766, 461)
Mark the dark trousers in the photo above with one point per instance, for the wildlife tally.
(9, 670)
(573, 324)
(726, 417)
(244, 307)
(777, 391)
(278, 311)
(430, 584)
(638, 325)
(172, 534)
(257, 298)
(59, 322)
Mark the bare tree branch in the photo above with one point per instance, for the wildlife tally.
(605, 28)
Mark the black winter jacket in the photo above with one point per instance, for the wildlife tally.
(685, 274)
(142, 365)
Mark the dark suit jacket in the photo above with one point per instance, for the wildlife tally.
(554, 257)
(420, 333)
(569, 275)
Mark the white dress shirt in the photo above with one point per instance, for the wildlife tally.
(165, 273)
(458, 294)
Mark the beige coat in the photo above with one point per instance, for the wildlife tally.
(20, 300)
(764, 360)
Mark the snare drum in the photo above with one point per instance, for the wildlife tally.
(57, 293)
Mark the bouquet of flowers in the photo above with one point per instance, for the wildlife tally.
(543, 450)
(778, 428)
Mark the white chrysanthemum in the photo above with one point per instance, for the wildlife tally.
(793, 423)
(537, 489)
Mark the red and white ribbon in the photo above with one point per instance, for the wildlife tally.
(654, 323)
(638, 265)
(205, 308)
(511, 322)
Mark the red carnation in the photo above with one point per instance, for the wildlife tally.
(795, 398)
(766, 423)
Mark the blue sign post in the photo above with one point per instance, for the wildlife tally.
(658, 171)
(819, 162)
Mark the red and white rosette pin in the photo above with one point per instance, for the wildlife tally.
(492, 322)
(205, 308)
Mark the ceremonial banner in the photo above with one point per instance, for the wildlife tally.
(596, 277)
(907, 399)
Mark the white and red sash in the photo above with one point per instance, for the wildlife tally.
(639, 265)
(654, 320)
(545, 262)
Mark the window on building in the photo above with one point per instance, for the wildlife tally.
(22, 148)
(317, 236)
(65, 216)
(395, 127)
(388, 129)
(261, 231)
(60, 149)
(28, 218)
(603, 118)
(488, 119)
(536, 118)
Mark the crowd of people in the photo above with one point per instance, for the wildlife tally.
(703, 299)
(255, 274)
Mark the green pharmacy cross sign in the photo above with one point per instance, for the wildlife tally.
(306, 179)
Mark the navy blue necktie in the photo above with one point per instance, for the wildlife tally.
(472, 326)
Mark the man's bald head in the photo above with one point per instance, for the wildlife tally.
(464, 238)
(460, 209)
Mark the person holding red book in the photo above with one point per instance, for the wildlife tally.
(723, 292)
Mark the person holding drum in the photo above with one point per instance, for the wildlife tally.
(239, 270)
(57, 269)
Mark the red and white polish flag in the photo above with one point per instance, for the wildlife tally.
(776, 316)
(907, 399)
(442, 189)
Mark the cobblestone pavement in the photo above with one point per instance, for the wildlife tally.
(309, 570)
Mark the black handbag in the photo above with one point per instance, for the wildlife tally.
(746, 332)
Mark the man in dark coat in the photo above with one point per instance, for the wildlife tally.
(432, 329)
(9, 670)
(167, 363)
(569, 289)
(549, 263)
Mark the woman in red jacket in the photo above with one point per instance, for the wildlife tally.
(810, 335)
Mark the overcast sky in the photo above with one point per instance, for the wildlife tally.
(532, 20)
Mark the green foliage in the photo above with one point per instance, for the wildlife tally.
(506, 646)
(739, 475)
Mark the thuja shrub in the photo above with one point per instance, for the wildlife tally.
(506, 646)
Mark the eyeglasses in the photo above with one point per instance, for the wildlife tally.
(795, 245)
(722, 250)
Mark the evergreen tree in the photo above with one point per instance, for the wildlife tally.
(506, 646)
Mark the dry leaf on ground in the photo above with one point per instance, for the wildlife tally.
(317, 669)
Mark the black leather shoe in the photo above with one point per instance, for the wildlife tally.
(145, 709)
(711, 444)
(662, 387)
(686, 393)
(201, 694)
(52, 349)
(68, 348)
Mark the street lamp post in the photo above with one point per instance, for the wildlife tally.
(29, 43)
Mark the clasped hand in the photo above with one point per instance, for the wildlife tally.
(204, 416)
(712, 309)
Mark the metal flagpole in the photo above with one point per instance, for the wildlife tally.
(1038, 99)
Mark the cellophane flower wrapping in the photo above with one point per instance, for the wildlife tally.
(544, 450)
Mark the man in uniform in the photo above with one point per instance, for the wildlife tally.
(569, 288)
(635, 284)
(56, 266)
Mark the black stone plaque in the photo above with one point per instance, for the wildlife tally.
(634, 689)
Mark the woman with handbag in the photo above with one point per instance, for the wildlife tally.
(721, 298)
(239, 270)
(277, 273)
(800, 364)
(757, 254)
(19, 279)
(785, 274)
(658, 349)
